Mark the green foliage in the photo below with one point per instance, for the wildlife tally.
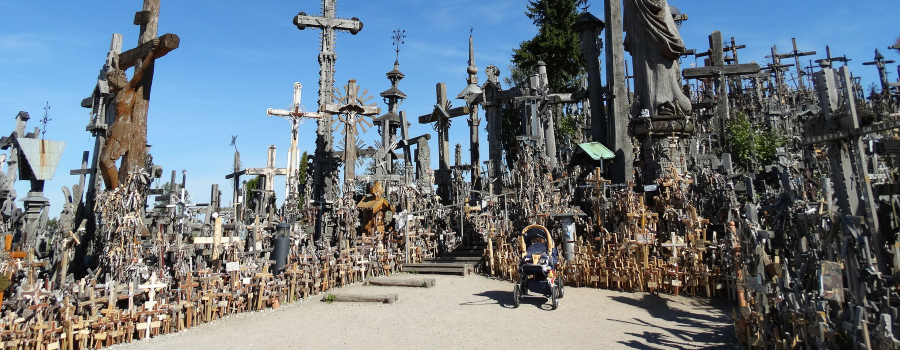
(565, 125)
(749, 145)
(303, 169)
(556, 43)
(559, 47)
(53, 225)
(248, 189)
(511, 126)
(766, 146)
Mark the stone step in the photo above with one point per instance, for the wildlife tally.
(467, 252)
(462, 259)
(438, 268)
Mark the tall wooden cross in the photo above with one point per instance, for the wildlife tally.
(796, 54)
(827, 62)
(236, 176)
(441, 116)
(720, 71)
(128, 132)
(879, 62)
(494, 97)
(733, 50)
(777, 68)
(324, 159)
(269, 172)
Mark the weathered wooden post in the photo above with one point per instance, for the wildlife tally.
(325, 161)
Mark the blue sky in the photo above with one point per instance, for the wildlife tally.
(238, 58)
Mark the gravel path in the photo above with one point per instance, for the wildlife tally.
(471, 312)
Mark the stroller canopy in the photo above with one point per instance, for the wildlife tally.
(536, 231)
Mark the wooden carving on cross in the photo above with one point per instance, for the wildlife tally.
(352, 112)
(269, 173)
(295, 115)
(441, 116)
(128, 132)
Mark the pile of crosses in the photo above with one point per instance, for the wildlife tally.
(652, 193)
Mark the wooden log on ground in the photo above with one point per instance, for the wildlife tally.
(388, 298)
(402, 282)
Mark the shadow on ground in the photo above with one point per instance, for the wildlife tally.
(504, 298)
(717, 326)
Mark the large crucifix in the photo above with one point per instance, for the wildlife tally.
(441, 116)
(128, 132)
(324, 159)
(295, 115)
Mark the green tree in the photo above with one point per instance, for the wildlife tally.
(303, 169)
(556, 43)
(558, 46)
(748, 144)
(248, 189)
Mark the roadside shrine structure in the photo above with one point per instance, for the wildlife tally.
(661, 194)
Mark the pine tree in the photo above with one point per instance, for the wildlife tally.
(556, 43)
(559, 47)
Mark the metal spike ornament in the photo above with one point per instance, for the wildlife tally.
(45, 120)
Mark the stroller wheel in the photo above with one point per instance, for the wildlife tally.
(517, 294)
(554, 299)
(562, 290)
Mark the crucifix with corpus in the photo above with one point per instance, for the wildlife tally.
(127, 137)
(295, 115)
(268, 173)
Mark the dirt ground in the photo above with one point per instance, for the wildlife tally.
(472, 312)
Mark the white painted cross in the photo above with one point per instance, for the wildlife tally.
(151, 291)
(270, 171)
(295, 116)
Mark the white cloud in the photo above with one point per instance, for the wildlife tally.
(23, 47)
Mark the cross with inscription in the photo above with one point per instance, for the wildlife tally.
(324, 159)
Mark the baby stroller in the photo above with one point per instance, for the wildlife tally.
(537, 268)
